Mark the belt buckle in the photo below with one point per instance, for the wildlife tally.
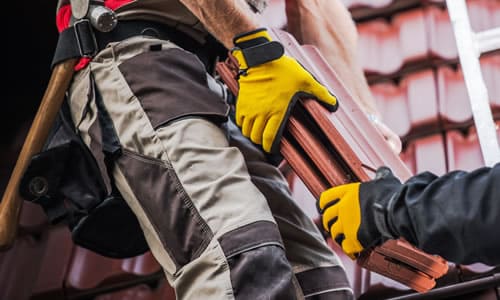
(85, 38)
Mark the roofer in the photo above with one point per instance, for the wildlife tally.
(216, 215)
(456, 215)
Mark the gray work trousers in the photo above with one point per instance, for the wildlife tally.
(218, 218)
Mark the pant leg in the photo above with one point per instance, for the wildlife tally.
(317, 268)
(206, 223)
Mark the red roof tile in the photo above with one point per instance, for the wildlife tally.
(54, 264)
(484, 14)
(33, 218)
(408, 157)
(366, 9)
(429, 154)
(141, 292)
(392, 102)
(89, 270)
(440, 34)
(454, 105)
(386, 46)
(366, 3)
(490, 67)
(464, 151)
(411, 105)
(417, 36)
(19, 267)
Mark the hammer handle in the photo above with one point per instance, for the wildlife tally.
(10, 207)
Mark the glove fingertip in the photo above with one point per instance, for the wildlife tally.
(332, 222)
(339, 239)
(324, 96)
(325, 225)
(331, 107)
(329, 101)
(239, 120)
(326, 197)
(269, 134)
(329, 204)
(353, 256)
(266, 145)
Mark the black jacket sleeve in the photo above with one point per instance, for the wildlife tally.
(456, 215)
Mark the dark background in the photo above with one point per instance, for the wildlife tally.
(31, 36)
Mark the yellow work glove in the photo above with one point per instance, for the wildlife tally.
(270, 83)
(357, 214)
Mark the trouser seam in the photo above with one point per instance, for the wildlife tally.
(254, 246)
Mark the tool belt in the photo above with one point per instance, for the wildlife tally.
(67, 182)
(81, 40)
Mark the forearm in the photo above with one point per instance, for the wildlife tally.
(328, 25)
(455, 216)
(224, 18)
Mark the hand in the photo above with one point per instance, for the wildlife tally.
(269, 85)
(341, 216)
(355, 214)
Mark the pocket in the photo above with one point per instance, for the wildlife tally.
(66, 181)
(172, 84)
(181, 229)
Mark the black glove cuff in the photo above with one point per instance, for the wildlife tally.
(377, 199)
(381, 213)
(252, 42)
(262, 53)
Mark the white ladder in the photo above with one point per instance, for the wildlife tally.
(471, 46)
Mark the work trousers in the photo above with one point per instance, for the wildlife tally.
(219, 219)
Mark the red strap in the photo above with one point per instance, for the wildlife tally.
(114, 4)
(63, 17)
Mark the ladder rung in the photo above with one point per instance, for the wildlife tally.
(488, 40)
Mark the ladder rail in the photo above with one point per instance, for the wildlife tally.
(470, 47)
